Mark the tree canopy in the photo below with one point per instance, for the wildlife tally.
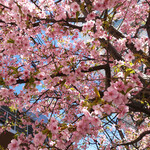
(84, 65)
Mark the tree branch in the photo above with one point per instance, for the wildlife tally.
(108, 46)
(95, 68)
(148, 28)
(136, 140)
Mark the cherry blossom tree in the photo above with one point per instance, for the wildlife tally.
(84, 64)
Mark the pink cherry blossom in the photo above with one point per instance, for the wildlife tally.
(41, 75)
(119, 99)
(122, 110)
(75, 7)
(91, 16)
(110, 94)
(39, 139)
(134, 77)
(119, 85)
(138, 44)
(11, 81)
(108, 109)
(98, 110)
(78, 68)
(96, 121)
(14, 145)
(129, 57)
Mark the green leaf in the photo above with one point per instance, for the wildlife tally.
(2, 81)
(48, 132)
(26, 85)
(72, 129)
(128, 72)
(122, 92)
(106, 24)
(130, 88)
(97, 92)
(31, 80)
(13, 68)
(12, 108)
(93, 47)
(2, 148)
(87, 97)
(89, 7)
(82, 6)
(45, 131)
(63, 82)
(10, 41)
(72, 89)
(36, 72)
(101, 101)
(77, 15)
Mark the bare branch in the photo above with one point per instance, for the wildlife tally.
(108, 46)
(136, 140)
(4, 6)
